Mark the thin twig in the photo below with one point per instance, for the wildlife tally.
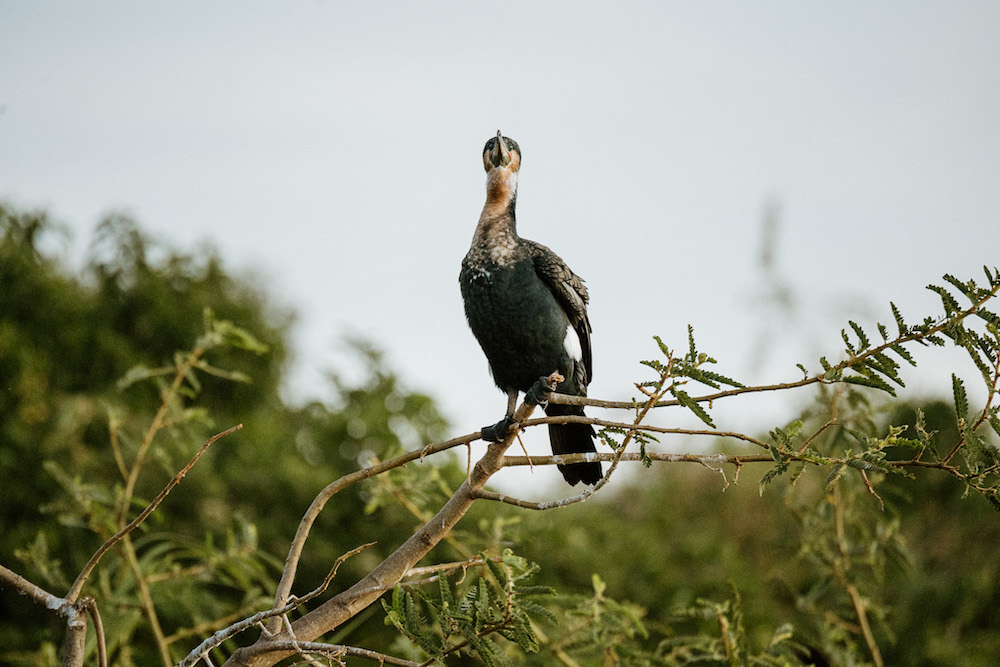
(81, 579)
(154, 428)
(841, 565)
(201, 651)
(448, 568)
(577, 419)
(871, 489)
(337, 650)
(146, 601)
(90, 605)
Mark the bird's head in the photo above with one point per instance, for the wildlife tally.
(501, 153)
(502, 160)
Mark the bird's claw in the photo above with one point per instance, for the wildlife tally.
(498, 431)
(539, 393)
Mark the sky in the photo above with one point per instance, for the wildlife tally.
(332, 151)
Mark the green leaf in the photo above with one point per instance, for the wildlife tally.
(771, 475)
(995, 421)
(140, 373)
(535, 609)
(874, 382)
(961, 400)
(988, 316)
(706, 377)
(836, 473)
(903, 353)
(900, 324)
(994, 501)
(947, 300)
(847, 342)
(967, 289)
(692, 405)
(862, 338)
(663, 347)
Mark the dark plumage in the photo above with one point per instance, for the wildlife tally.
(527, 309)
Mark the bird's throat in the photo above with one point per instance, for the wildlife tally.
(501, 194)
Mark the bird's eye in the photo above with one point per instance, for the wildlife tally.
(510, 146)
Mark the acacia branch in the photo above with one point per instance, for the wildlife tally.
(919, 335)
(647, 428)
(390, 571)
(284, 588)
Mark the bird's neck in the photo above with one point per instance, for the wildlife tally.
(496, 234)
(501, 196)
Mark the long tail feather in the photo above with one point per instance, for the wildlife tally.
(573, 439)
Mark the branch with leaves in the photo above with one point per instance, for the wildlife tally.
(501, 606)
(865, 365)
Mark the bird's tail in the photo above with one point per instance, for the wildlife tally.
(573, 439)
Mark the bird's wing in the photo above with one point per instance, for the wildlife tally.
(570, 292)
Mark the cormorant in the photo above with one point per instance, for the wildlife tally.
(528, 310)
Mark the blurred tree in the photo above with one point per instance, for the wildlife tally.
(67, 338)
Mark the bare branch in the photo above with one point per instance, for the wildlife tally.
(76, 623)
(337, 650)
(319, 502)
(90, 604)
(81, 579)
(37, 594)
(347, 604)
(201, 651)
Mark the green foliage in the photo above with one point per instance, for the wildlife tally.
(862, 550)
(473, 617)
(143, 335)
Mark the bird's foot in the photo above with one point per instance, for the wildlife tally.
(539, 392)
(498, 431)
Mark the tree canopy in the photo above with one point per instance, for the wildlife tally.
(863, 535)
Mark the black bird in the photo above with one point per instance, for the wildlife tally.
(528, 311)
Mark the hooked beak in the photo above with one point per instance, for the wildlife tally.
(500, 156)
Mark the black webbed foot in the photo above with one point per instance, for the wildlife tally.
(498, 431)
(539, 393)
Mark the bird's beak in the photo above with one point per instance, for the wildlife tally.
(501, 156)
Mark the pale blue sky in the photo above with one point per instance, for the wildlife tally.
(334, 149)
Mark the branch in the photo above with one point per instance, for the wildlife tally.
(158, 422)
(203, 648)
(81, 579)
(76, 623)
(337, 650)
(90, 605)
(914, 336)
(319, 502)
(635, 426)
(349, 603)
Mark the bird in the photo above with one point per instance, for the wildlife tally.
(528, 311)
